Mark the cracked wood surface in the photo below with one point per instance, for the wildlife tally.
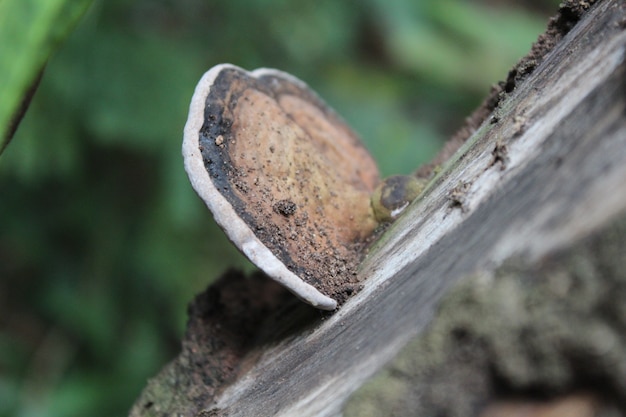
(547, 168)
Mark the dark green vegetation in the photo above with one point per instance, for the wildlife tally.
(102, 240)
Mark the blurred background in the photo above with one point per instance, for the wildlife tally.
(102, 240)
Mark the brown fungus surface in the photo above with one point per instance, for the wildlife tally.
(293, 171)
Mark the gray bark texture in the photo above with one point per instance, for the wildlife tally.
(502, 286)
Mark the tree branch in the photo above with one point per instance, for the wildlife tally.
(546, 169)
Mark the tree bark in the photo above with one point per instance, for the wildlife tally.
(542, 173)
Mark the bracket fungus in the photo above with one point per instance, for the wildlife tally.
(284, 176)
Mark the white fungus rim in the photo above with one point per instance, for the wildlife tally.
(223, 212)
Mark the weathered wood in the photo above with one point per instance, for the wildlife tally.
(529, 335)
(549, 167)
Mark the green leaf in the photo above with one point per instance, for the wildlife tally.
(30, 31)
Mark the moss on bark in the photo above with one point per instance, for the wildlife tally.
(530, 329)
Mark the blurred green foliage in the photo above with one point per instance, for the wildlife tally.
(102, 240)
(24, 52)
